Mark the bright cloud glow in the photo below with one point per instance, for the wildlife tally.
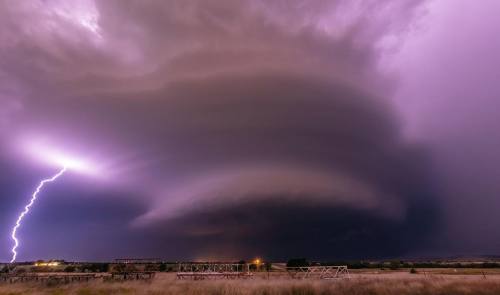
(82, 13)
(58, 158)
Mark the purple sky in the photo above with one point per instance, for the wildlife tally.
(448, 93)
(234, 129)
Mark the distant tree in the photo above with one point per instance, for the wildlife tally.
(490, 265)
(19, 270)
(130, 268)
(69, 268)
(152, 267)
(164, 267)
(406, 264)
(120, 267)
(355, 264)
(395, 264)
(298, 262)
(95, 267)
(103, 267)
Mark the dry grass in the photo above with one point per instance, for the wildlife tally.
(167, 284)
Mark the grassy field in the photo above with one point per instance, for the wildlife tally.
(396, 283)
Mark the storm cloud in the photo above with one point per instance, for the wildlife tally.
(223, 129)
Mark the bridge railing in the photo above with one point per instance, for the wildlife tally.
(321, 272)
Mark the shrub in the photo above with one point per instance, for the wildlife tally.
(395, 265)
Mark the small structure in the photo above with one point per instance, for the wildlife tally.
(320, 272)
(202, 271)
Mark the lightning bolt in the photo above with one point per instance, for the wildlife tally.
(27, 210)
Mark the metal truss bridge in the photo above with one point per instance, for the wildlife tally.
(319, 272)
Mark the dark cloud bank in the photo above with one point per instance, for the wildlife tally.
(233, 129)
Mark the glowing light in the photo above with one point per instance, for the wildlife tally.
(81, 13)
(257, 261)
(27, 210)
(56, 158)
(50, 263)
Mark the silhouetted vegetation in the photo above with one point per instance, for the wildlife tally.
(94, 267)
(397, 264)
(152, 267)
(298, 262)
(120, 267)
(393, 265)
(4, 269)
